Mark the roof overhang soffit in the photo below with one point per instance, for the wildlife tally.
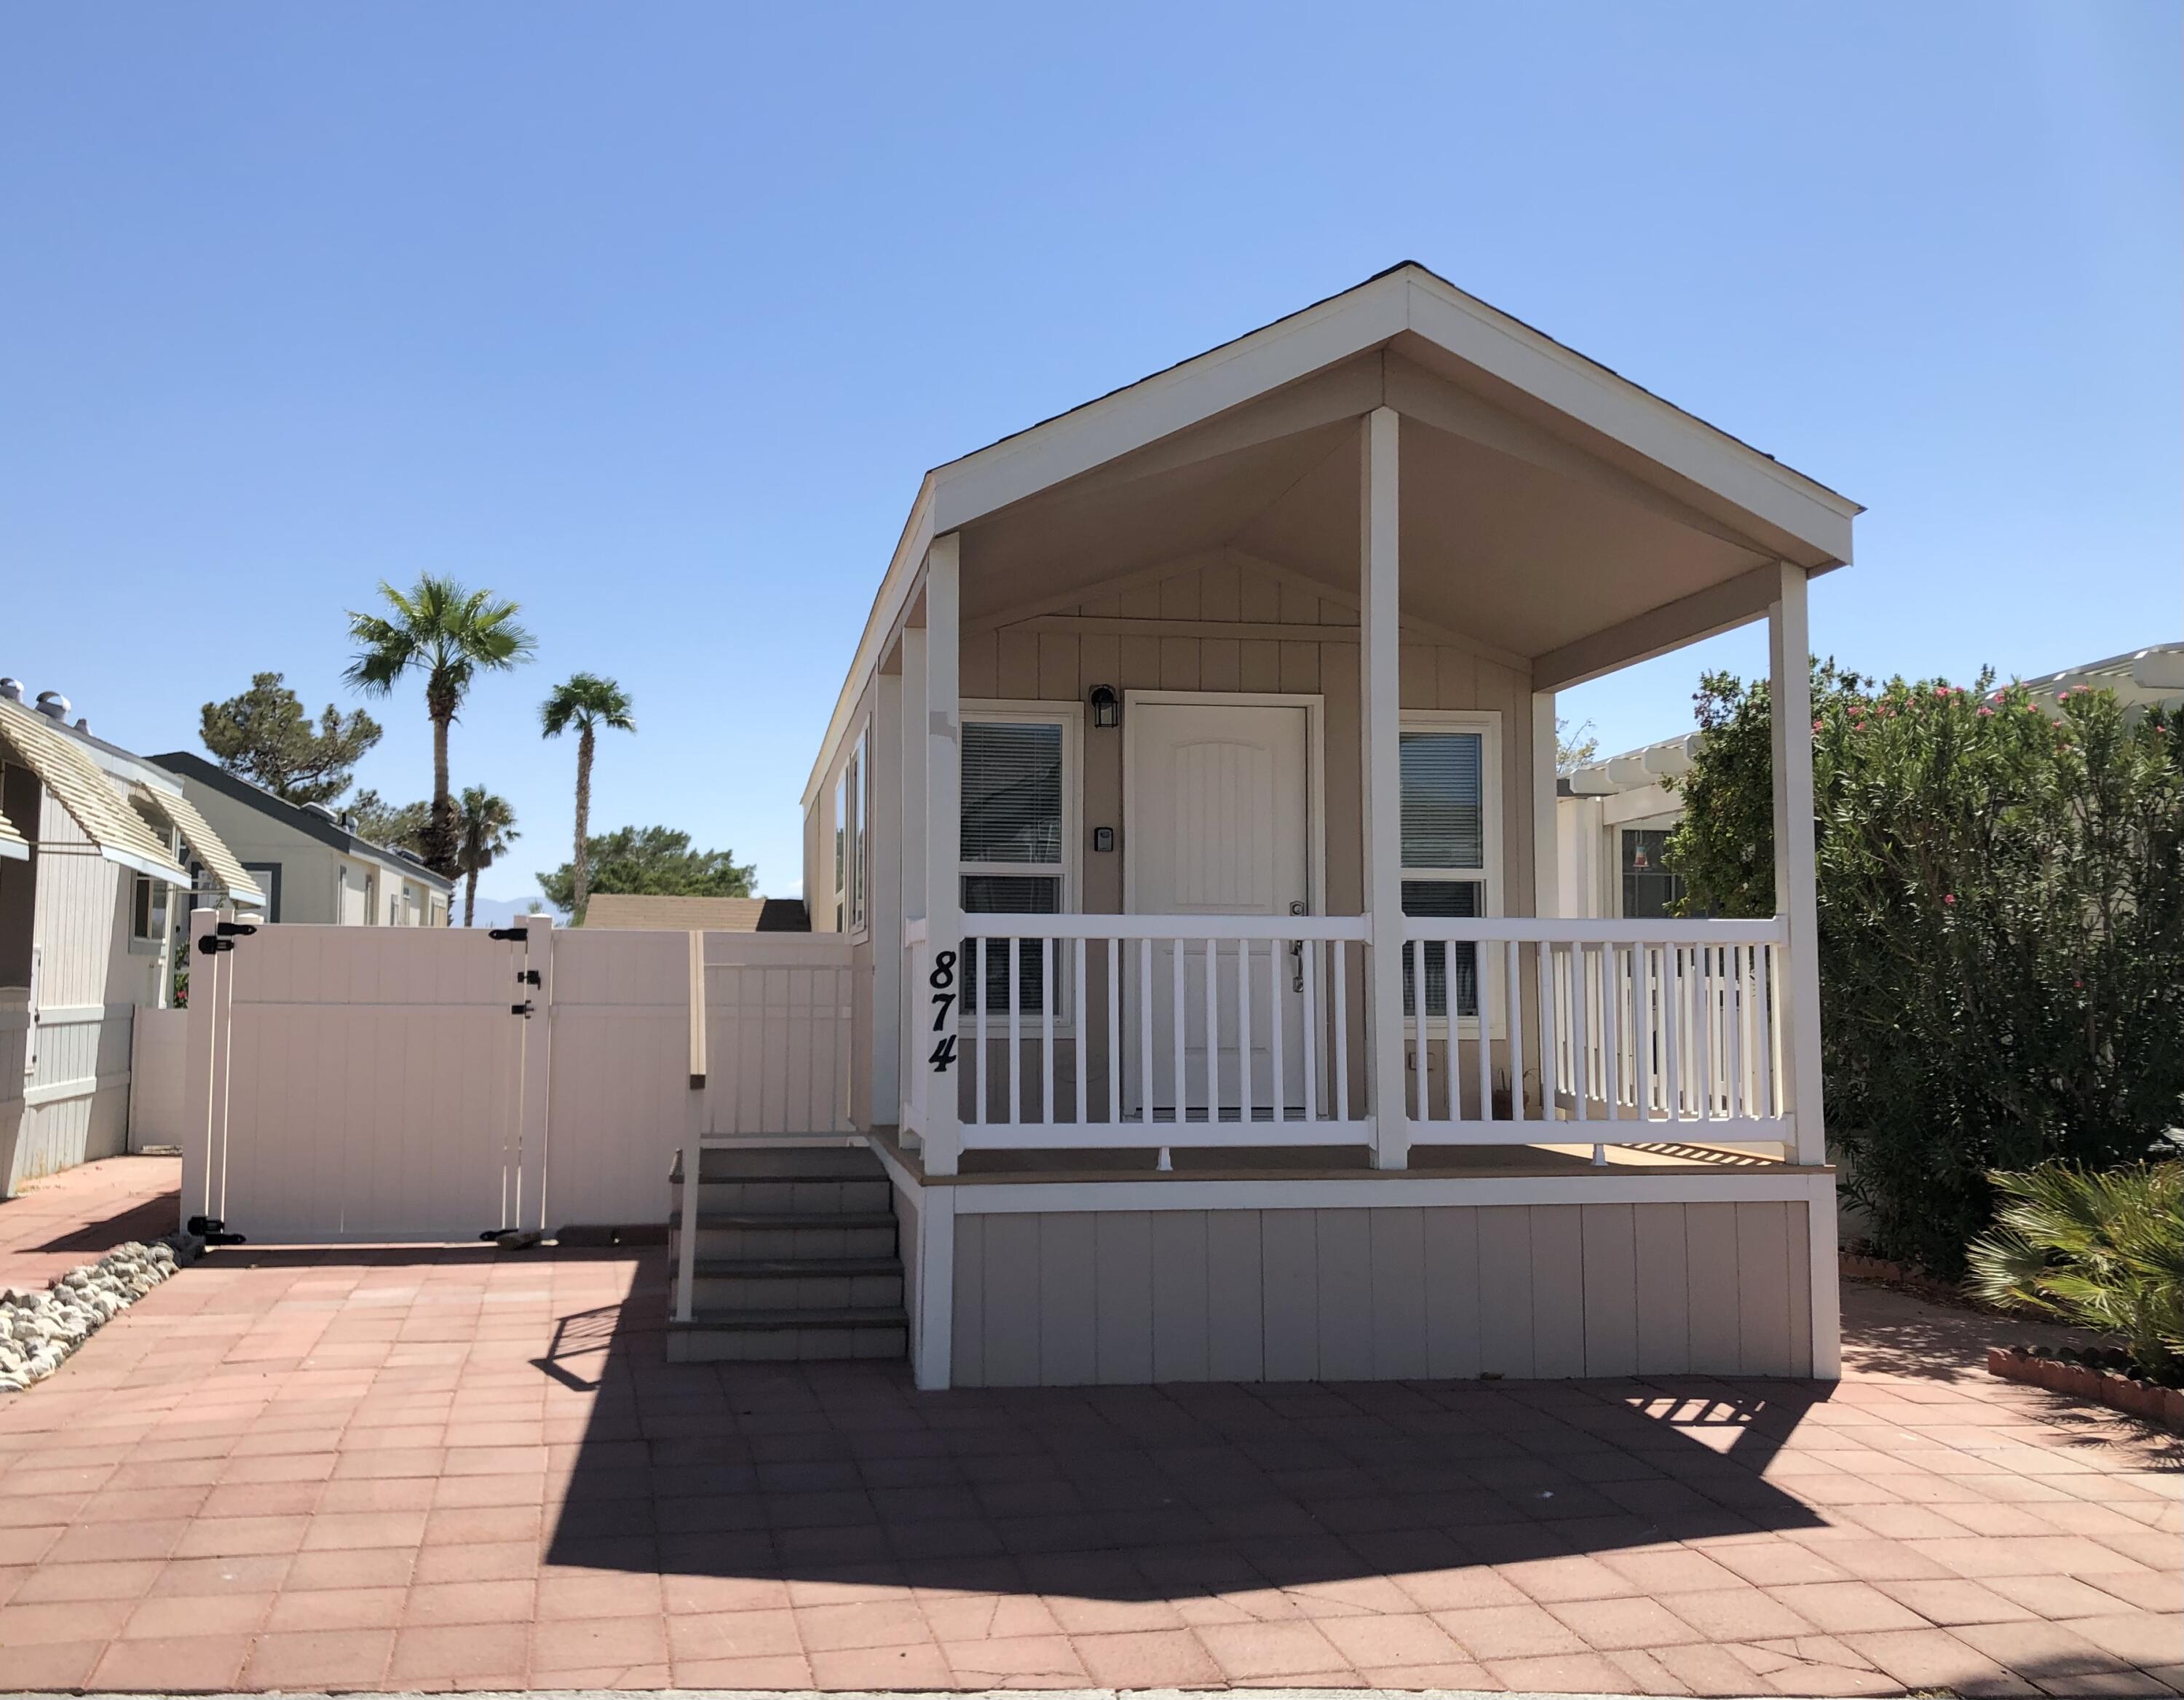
(1492, 372)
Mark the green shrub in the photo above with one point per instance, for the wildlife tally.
(2000, 897)
(2104, 1251)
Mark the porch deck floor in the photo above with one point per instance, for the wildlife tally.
(1324, 1162)
(434, 1468)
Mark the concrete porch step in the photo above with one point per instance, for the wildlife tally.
(727, 1289)
(747, 1236)
(791, 1335)
(786, 1195)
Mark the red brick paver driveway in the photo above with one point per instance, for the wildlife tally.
(367, 1469)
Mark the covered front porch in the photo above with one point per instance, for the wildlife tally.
(1194, 794)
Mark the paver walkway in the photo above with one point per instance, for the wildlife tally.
(67, 1218)
(366, 1469)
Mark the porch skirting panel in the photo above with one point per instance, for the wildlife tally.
(1549, 1290)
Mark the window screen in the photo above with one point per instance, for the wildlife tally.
(1450, 897)
(1011, 793)
(1444, 816)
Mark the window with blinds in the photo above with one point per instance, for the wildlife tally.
(1447, 863)
(1018, 811)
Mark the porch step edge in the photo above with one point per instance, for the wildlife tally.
(729, 1322)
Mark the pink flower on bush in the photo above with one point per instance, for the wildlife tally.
(1987, 713)
(1948, 897)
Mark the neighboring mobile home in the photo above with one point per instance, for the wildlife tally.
(650, 912)
(1190, 806)
(1613, 815)
(311, 863)
(101, 859)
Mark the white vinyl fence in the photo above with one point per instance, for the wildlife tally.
(422, 1083)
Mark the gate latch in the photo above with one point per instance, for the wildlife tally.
(518, 934)
(522, 1009)
(528, 977)
(236, 929)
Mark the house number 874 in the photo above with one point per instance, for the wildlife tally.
(942, 979)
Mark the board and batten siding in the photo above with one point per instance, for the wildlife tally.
(1029, 661)
(75, 1103)
(1547, 1290)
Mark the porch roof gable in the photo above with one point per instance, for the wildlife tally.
(1406, 298)
(1439, 332)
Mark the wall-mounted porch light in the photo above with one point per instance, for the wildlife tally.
(1107, 707)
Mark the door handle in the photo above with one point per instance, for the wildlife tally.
(1296, 952)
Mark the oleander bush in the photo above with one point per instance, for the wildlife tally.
(2001, 898)
(2099, 1250)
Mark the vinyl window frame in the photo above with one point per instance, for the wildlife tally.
(1068, 870)
(1488, 876)
(849, 820)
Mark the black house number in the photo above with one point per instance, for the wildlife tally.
(942, 979)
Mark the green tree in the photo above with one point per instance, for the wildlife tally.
(449, 635)
(264, 736)
(2000, 903)
(650, 860)
(397, 826)
(586, 702)
(1573, 750)
(488, 827)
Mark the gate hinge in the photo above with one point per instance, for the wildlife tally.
(522, 1009)
(518, 934)
(528, 977)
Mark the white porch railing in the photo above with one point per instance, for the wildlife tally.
(1153, 1030)
(1102, 1031)
(1641, 1031)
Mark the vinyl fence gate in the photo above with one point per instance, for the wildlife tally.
(440, 1083)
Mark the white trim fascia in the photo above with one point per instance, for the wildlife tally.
(1131, 418)
(889, 601)
(1408, 299)
(1416, 1189)
(1584, 390)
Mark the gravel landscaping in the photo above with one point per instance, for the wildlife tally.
(39, 1328)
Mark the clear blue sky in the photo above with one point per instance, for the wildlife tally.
(651, 316)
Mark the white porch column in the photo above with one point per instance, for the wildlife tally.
(944, 833)
(883, 894)
(1547, 846)
(911, 871)
(937, 774)
(1790, 697)
(1381, 769)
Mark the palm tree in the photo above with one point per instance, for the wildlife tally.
(488, 827)
(449, 635)
(586, 702)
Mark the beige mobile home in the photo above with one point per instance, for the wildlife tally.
(314, 869)
(1190, 807)
(95, 846)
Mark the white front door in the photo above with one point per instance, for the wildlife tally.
(1220, 824)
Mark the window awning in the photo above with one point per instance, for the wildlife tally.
(90, 799)
(216, 858)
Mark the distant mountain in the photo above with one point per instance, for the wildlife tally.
(495, 911)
